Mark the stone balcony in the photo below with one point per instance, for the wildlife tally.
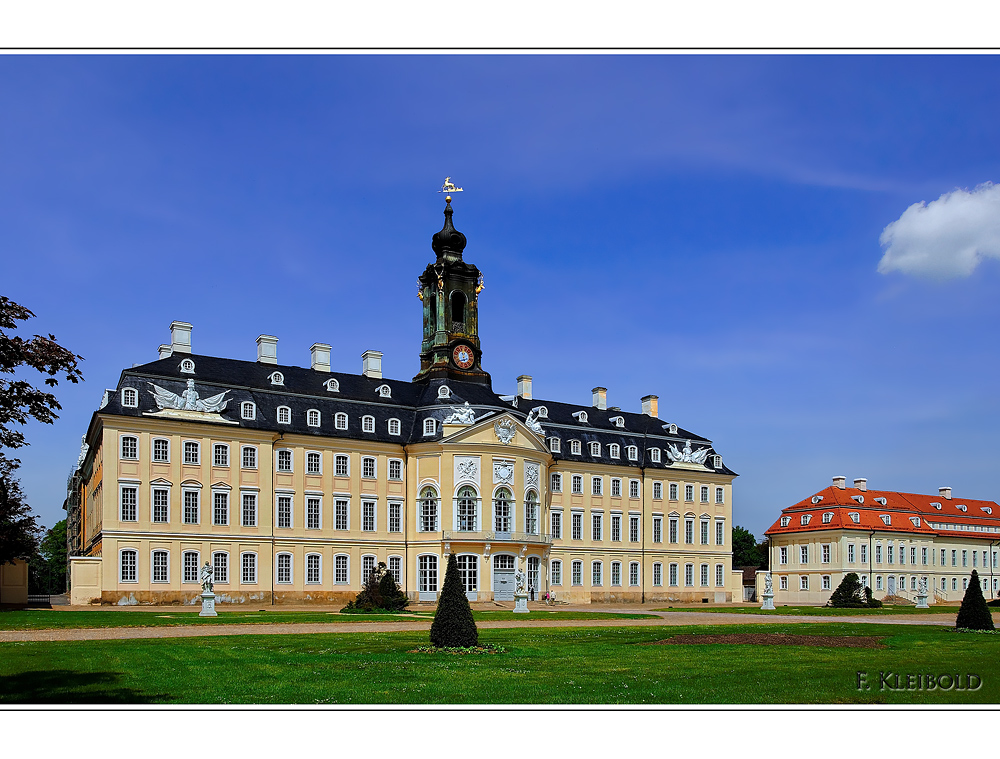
(468, 536)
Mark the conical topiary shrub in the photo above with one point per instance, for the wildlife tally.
(974, 614)
(453, 623)
(849, 594)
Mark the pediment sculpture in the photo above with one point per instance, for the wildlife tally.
(461, 415)
(189, 400)
(532, 422)
(687, 456)
(504, 430)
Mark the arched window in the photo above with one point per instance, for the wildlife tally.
(428, 510)
(502, 507)
(531, 512)
(313, 417)
(458, 306)
(465, 506)
(128, 561)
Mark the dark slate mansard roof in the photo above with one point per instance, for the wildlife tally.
(410, 402)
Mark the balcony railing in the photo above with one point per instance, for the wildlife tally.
(497, 537)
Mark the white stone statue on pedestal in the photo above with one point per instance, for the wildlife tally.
(768, 595)
(922, 594)
(207, 577)
(520, 593)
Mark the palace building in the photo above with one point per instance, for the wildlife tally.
(295, 482)
(892, 541)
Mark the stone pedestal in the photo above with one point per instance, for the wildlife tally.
(208, 605)
(520, 603)
(922, 601)
(768, 604)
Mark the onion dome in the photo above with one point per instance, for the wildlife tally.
(449, 242)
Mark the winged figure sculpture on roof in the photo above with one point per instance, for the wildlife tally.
(687, 456)
(189, 400)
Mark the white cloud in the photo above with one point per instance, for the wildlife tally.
(945, 238)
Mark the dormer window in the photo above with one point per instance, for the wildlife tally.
(313, 417)
(880, 500)
(555, 444)
(595, 449)
(855, 517)
(785, 521)
(332, 385)
(961, 507)
(633, 453)
(916, 521)
(580, 416)
(444, 392)
(827, 517)
(248, 410)
(340, 421)
(574, 447)
(384, 391)
(394, 426)
(886, 519)
(987, 509)
(614, 450)
(717, 462)
(817, 498)
(805, 519)
(654, 455)
(936, 506)
(858, 498)
(187, 366)
(368, 424)
(543, 412)
(618, 421)
(284, 415)
(277, 378)
(430, 427)
(130, 397)
(670, 428)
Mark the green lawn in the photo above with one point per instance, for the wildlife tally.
(543, 665)
(821, 611)
(46, 619)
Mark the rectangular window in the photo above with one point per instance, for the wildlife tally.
(556, 518)
(673, 491)
(340, 569)
(689, 531)
(160, 566)
(965, 558)
(704, 532)
(130, 448)
(673, 574)
(890, 552)
(595, 525)
(312, 463)
(803, 554)
(284, 568)
(616, 527)
(313, 512)
(689, 492)
(657, 574)
(595, 573)
(555, 483)
(864, 553)
(804, 582)
(129, 569)
(720, 578)
(783, 554)
(395, 520)
(220, 508)
(878, 554)
(954, 558)
(657, 491)
(368, 516)
(704, 493)
(577, 484)
(220, 455)
(249, 457)
(220, 566)
(616, 573)
(902, 554)
(720, 532)
(284, 511)
(313, 570)
(913, 556)
(341, 465)
(850, 553)
(657, 529)
(826, 582)
(597, 485)
(633, 488)
(191, 506)
(578, 573)
(249, 509)
(923, 556)
(129, 499)
(191, 559)
(284, 461)
(826, 553)
(704, 575)
(161, 450)
(395, 470)
(720, 495)
(192, 453)
(249, 576)
(577, 526)
(368, 468)
(689, 575)
(616, 487)
(161, 505)
(340, 514)
(556, 570)
(367, 567)
(673, 529)
(396, 563)
(633, 573)
(783, 583)
(633, 528)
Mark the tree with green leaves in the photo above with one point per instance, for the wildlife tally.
(453, 624)
(974, 614)
(19, 530)
(849, 594)
(47, 567)
(747, 552)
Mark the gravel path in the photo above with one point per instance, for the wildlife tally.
(666, 619)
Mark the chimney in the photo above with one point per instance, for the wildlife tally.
(524, 386)
(164, 351)
(180, 337)
(371, 364)
(267, 349)
(840, 482)
(945, 493)
(600, 398)
(319, 357)
(861, 483)
(651, 406)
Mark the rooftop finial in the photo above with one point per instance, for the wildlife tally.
(449, 242)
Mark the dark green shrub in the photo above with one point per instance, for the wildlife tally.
(974, 614)
(870, 602)
(849, 594)
(380, 593)
(453, 624)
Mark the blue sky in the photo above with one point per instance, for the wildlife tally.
(704, 228)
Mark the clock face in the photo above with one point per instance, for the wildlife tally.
(463, 356)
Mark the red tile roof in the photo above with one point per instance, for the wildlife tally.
(902, 509)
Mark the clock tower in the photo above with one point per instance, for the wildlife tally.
(449, 290)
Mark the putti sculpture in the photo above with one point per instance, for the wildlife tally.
(189, 400)
(687, 456)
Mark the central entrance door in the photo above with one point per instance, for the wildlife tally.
(503, 578)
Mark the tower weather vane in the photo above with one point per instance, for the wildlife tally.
(449, 186)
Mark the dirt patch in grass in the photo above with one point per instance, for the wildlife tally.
(774, 639)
